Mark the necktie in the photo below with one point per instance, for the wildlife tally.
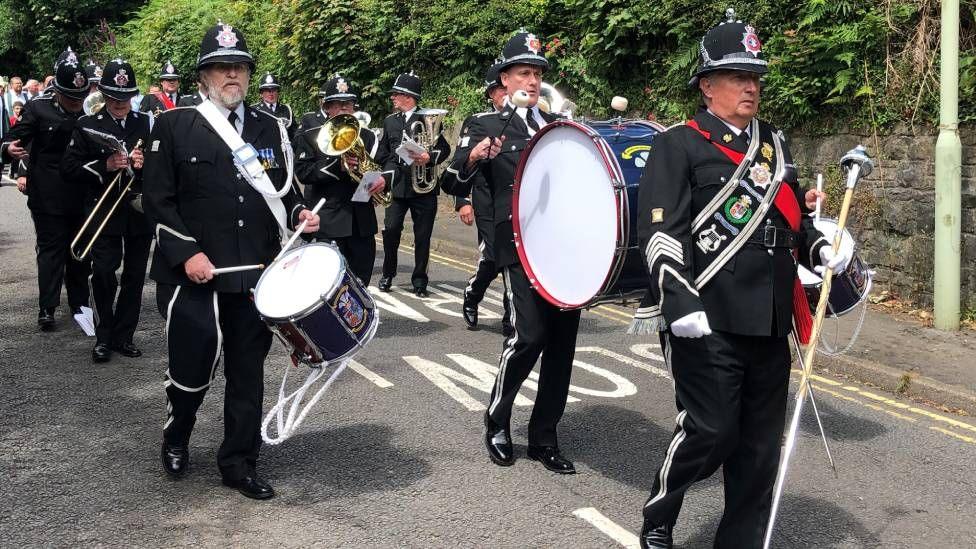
(530, 120)
(119, 122)
(232, 118)
(172, 98)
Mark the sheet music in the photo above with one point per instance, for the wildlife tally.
(362, 191)
(406, 147)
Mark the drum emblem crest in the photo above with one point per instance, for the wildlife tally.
(739, 210)
(352, 311)
(709, 240)
(761, 176)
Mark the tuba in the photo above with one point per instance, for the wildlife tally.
(425, 133)
(93, 103)
(340, 137)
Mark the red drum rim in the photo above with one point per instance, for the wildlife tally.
(615, 172)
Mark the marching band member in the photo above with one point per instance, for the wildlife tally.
(351, 225)
(475, 206)
(56, 205)
(721, 228)
(540, 328)
(193, 99)
(169, 81)
(126, 238)
(270, 90)
(214, 178)
(314, 119)
(93, 71)
(405, 94)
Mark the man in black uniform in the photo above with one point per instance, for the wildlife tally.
(540, 328)
(126, 238)
(314, 119)
(193, 99)
(57, 206)
(721, 227)
(169, 82)
(94, 73)
(270, 91)
(422, 206)
(351, 225)
(218, 192)
(474, 205)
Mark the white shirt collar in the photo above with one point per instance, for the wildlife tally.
(408, 114)
(731, 127)
(240, 114)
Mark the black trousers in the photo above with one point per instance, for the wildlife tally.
(199, 324)
(360, 254)
(731, 396)
(116, 319)
(54, 262)
(422, 210)
(540, 328)
(487, 269)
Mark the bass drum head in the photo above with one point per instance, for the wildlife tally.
(566, 214)
(296, 283)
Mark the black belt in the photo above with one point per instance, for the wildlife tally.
(769, 236)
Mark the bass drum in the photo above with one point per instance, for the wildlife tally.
(574, 211)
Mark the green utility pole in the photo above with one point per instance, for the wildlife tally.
(948, 173)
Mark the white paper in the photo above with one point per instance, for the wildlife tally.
(85, 320)
(406, 147)
(362, 191)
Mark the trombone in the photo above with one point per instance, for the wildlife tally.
(108, 190)
(340, 137)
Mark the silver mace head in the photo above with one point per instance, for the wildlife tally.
(858, 156)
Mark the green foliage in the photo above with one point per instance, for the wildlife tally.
(867, 63)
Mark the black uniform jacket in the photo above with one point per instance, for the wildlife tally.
(393, 127)
(152, 105)
(324, 177)
(84, 163)
(190, 100)
(464, 194)
(198, 202)
(753, 293)
(498, 174)
(281, 111)
(46, 129)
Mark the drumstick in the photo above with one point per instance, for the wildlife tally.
(225, 270)
(298, 231)
(816, 211)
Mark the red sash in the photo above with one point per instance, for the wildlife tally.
(785, 202)
(164, 99)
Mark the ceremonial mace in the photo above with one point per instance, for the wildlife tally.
(858, 164)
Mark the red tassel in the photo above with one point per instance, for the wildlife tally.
(802, 319)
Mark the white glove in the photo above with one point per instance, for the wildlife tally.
(691, 325)
(837, 262)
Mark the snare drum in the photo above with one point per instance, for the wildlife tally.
(849, 287)
(314, 304)
(574, 211)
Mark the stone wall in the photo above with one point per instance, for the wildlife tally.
(893, 213)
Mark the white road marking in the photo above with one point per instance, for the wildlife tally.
(630, 361)
(610, 528)
(623, 386)
(492, 297)
(386, 301)
(375, 378)
(473, 364)
(442, 377)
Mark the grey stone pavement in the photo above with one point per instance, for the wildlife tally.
(392, 455)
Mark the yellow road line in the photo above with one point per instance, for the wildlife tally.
(616, 315)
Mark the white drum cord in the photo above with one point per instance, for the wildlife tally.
(831, 349)
(285, 427)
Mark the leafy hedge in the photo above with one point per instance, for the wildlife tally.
(868, 63)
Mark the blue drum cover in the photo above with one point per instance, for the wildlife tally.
(341, 325)
(630, 141)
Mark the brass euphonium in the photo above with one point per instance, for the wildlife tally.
(340, 137)
(425, 133)
(93, 103)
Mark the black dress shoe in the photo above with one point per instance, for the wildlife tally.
(101, 353)
(656, 537)
(128, 350)
(421, 291)
(385, 283)
(469, 310)
(176, 459)
(45, 320)
(498, 441)
(251, 486)
(551, 459)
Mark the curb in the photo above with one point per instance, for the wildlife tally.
(903, 383)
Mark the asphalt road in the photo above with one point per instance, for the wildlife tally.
(392, 455)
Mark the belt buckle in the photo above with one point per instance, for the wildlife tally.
(769, 236)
